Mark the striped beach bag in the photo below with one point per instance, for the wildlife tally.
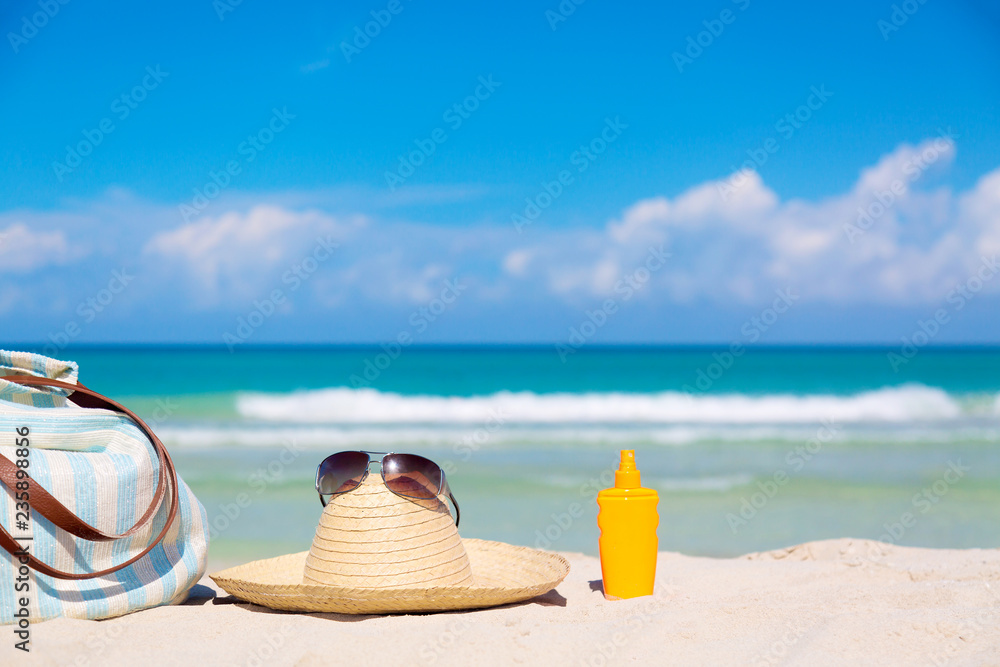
(94, 522)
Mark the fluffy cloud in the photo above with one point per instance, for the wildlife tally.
(240, 254)
(891, 238)
(981, 208)
(896, 237)
(23, 251)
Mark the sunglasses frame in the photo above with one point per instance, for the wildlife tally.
(443, 489)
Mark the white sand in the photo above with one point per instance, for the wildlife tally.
(825, 603)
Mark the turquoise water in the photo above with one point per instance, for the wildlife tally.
(466, 372)
(751, 452)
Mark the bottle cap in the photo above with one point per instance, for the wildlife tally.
(627, 476)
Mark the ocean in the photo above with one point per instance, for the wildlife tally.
(763, 450)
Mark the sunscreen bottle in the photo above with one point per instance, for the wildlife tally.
(628, 521)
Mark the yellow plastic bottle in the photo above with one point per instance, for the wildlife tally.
(628, 521)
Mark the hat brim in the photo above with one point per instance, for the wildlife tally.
(501, 574)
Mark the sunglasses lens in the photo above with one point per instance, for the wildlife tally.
(411, 476)
(341, 472)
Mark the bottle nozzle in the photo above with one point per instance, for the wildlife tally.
(627, 476)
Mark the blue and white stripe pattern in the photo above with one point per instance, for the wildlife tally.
(98, 464)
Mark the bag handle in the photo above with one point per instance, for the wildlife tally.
(47, 505)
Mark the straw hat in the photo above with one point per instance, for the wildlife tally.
(376, 552)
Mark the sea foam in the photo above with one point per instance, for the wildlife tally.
(900, 404)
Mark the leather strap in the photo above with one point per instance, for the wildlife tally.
(49, 507)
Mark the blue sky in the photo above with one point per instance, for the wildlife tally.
(651, 149)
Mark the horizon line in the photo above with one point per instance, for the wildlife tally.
(800, 346)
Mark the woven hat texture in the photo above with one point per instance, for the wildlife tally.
(373, 538)
(376, 552)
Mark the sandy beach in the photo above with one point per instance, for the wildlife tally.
(823, 603)
(396, 308)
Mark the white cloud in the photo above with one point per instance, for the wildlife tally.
(315, 66)
(981, 207)
(895, 236)
(889, 238)
(22, 250)
(395, 275)
(892, 237)
(906, 164)
(516, 262)
(240, 254)
(743, 207)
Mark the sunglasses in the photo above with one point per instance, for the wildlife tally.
(406, 475)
